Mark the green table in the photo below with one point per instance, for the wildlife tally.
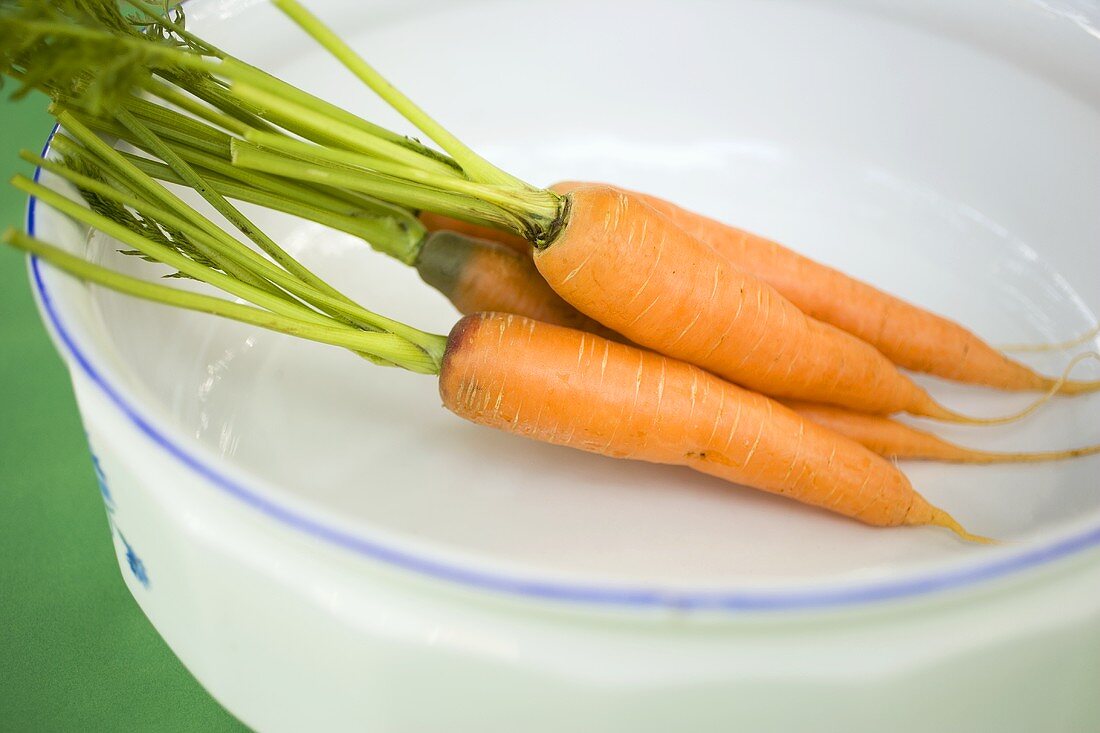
(76, 653)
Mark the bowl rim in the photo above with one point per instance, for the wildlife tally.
(627, 597)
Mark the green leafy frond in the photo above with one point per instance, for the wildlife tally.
(143, 225)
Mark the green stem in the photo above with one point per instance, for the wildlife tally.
(316, 126)
(213, 249)
(278, 86)
(230, 284)
(112, 158)
(213, 155)
(347, 205)
(164, 118)
(223, 207)
(240, 71)
(223, 245)
(210, 145)
(198, 74)
(324, 156)
(345, 158)
(221, 163)
(476, 167)
(390, 188)
(210, 90)
(231, 249)
(193, 105)
(137, 181)
(385, 346)
(388, 228)
(386, 235)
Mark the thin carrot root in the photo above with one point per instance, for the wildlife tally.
(943, 414)
(969, 455)
(937, 411)
(892, 439)
(1022, 348)
(1070, 389)
(940, 518)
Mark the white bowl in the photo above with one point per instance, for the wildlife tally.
(326, 548)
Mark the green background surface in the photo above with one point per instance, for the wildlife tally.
(76, 652)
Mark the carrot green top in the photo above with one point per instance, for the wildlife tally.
(227, 129)
(93, 61)
(142, 214)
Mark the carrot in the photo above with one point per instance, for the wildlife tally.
(566, 387)
(894, 439)
(479, 275)
(437, 222)
(911, 337)
(622, 263)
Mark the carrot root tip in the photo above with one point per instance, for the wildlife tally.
(940, 518)
(1085, 337)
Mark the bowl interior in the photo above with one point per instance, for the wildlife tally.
(958, 176)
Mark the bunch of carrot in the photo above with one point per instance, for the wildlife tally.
(599, 318)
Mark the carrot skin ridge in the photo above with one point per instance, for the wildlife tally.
(624, 264)
(571, 388)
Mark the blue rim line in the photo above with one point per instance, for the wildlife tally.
(637, 597)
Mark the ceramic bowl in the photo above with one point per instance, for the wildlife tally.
(326, 548)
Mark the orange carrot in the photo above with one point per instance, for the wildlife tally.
(566, 387)
(480, 275)
(911, 337)
(893, 439)
(619, 261)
